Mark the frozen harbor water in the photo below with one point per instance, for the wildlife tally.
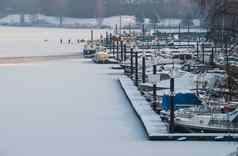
(30, 41)
(75, 107)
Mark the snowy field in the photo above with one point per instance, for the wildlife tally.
(74, 108)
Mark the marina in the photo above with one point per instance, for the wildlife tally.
(153, 125)
(184, 78)
(123, 78)
(51, 105)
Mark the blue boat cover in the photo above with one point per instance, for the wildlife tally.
(180, 100)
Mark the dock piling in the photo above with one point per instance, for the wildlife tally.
(203, 54)
(212, 57)
(113, 48)
(107, 39)
(143, 32)
(171, 122)
(132, 70)
(136, 73)
(154, 88)
(179, 31)
(197, 51)
(125, 52)
(117, 49)
(116, 29)
(121, 43)
(110, 40)
(92, 35)
(143, 69)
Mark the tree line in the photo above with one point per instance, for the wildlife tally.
(153, 9)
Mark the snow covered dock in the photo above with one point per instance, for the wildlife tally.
(151, 121)
(154, 127)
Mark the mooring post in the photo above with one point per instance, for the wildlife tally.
(143, 32)
(106, 39)
(129, 28)
(110, 38)
(188, 28)
(227, 57)
(215, 50)
(125, 52)
(179, 32)
(91, 35)
(197, 51)
(188, 34)
(143, 68)
(203, 54)
(212, 57)
(132, 70)
(117, 49)
(229, 85)
(154, 28)
(154, 69)
(122, 51)
(116, 29)
(136, 74)
(154, 88)
(172, 105)
(113, 48)
(197, 87)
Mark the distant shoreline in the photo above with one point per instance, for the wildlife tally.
(52, 26)
(105, 28)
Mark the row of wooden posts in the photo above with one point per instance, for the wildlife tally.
(120, 53)
(117, 42)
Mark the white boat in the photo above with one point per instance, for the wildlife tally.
(101, 57)
(90, 49)
(206, 122)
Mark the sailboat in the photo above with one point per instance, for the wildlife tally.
(207, 122)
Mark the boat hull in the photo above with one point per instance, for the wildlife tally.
(89, 53)
(179, 127)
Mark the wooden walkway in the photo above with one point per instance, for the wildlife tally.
(154, 127)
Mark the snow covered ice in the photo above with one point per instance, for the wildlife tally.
(30, 41)
(73, 107)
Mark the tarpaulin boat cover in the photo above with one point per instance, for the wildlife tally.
(180, 100)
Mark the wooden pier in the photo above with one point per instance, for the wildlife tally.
(154, 127)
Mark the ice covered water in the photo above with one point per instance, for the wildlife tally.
(75, 107)
(42, 41)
